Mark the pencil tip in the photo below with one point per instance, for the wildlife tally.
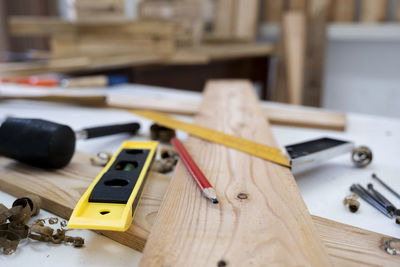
(215, 201)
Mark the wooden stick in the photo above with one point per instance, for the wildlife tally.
(85, 100)
(343, 10)
(398, 11)
(294, 41)
(272, 11)
(373, 10)
(246, 19)
(315, 51)
(298, 5)
(289, 116)
(261, 217)
(223, 13)
(60, 191)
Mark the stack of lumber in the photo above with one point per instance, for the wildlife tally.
(96, 9)
(235, 20)
(86, 37)
(340, 11)
(187, 14)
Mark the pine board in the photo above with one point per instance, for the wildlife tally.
(347, 245)
(343, 10)
(60, 190)
(288, 116)
(271, 226)
(373, 11)
(294, 40)
(272, 10)
(246, 19)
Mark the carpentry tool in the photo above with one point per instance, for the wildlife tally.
(381, 199)
(48, 144)
(110, 201)
(195, 172)
(93, 81)
(33, 81)
(244, 145)
(374, 176)
(368, 197)
(307, 155)
(72, 82)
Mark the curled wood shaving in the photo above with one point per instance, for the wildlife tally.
(8, 241)
(391, 245)
(101, 159)
(53, 220)
(42, 230)
(161, 133)
(13, 226)
(63, 223)
(163, 165)
(76, 241)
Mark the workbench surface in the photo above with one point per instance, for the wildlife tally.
(323, 188)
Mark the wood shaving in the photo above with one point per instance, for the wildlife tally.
(161, 133)
(13, 226)
(53, 220)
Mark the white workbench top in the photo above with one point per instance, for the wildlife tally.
(323, 188)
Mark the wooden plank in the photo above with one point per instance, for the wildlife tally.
(190, 231)
(39, 26)
(315, 51)
(352, 246)
(278, 115)
(194, 55)
(223, 13)
(346, 245)
(246, 19)
(373, 11)
(272, 10)
(343, 10)
(310, 118)
(398, 11)
(298, 5)
(294, 40)
(60, 190)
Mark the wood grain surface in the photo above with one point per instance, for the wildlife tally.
(317, 16)
(288, 116)
(373, 11)
(246, 19)
(352, 246)
(294, 41)
(269, 224)
(272, 10)
(60, 190)
(343, 10)
(346, 245)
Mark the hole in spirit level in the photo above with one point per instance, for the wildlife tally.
(104, 212)
(116, 182)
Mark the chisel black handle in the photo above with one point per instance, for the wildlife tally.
(37, 142)
(131, 128)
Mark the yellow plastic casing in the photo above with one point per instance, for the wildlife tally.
(118, 217)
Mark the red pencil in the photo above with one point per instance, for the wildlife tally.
(194, 170)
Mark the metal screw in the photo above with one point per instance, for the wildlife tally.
(385, 185)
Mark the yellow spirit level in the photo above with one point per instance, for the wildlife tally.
(111, 200)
